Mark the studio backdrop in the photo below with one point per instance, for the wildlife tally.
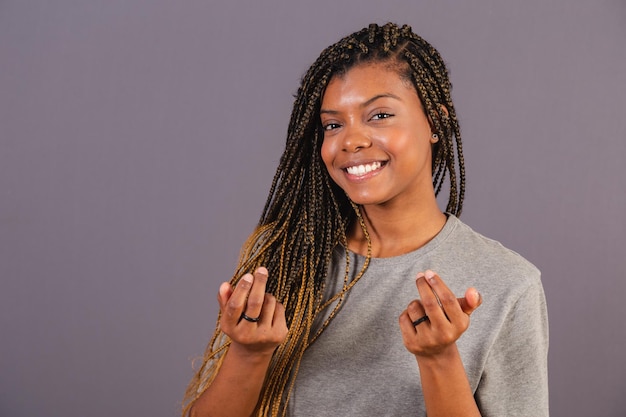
(138, 141)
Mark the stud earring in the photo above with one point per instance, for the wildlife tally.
(435, 138)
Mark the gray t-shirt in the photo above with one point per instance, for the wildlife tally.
(360, 367)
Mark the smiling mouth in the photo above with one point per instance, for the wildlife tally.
(360, 170)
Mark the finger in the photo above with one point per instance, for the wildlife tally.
(224, 294)
(471, 301)
(406, 326)
(416, 314)
(429, 300)
(237, 301)
(267, 312)
(279, 319)
(439, 303)
(256, 297)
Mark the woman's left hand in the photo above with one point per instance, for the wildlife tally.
(448, 316)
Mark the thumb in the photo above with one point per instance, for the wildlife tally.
(471, 301)
(224, 293)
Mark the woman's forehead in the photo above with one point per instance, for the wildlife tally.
(368, 80)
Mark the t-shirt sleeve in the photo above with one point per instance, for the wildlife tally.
(515, 381)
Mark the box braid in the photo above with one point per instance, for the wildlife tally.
(306, 214)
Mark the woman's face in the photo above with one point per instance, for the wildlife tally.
(377, 139)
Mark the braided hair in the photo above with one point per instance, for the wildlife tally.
(306, 214)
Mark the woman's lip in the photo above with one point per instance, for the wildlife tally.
(363, 169)
(354, 164)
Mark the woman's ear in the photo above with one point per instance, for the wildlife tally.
(444, 110)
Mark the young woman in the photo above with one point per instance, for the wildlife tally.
(335, 308)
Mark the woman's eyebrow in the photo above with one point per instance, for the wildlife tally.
(366, 102)
(379, 96)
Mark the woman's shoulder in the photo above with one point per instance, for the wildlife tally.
(482, 254)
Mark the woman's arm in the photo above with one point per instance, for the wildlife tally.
(236, 388)
(446, 389)
(433, 342)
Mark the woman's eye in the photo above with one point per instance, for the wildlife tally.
(380, 116)
(330, 126)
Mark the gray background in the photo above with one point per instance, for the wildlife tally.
(139, 139)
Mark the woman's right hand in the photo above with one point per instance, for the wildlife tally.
(249, 298)
(253, 343)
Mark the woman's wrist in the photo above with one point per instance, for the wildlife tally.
(445, 359)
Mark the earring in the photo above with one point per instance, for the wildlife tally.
(435, 138)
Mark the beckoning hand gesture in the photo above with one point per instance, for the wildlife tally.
(254, 320)
(438, 319)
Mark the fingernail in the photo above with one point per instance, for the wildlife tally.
(262, 270)
(248, 278)
(224, 288)
(419, 275)
(429, 275)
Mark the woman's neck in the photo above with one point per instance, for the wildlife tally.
(394, 232)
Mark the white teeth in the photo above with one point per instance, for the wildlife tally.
(363, 169)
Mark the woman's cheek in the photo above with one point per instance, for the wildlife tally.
(327, 153)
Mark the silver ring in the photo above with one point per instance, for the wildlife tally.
(419, 321)
(250, 319)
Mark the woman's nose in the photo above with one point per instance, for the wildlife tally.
(355, 139)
